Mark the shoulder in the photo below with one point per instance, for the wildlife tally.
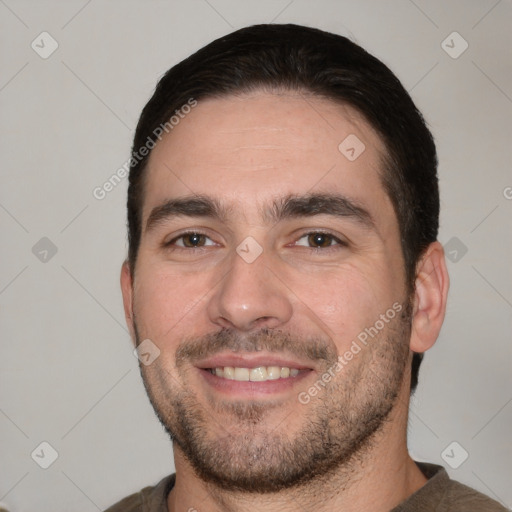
(463, 498)
(443, 494)
(150, 499)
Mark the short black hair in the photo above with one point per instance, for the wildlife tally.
(297, 58)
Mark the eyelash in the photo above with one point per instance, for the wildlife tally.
(337, 245)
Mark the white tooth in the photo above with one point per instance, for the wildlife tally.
(285, 372)
(229, 372)
(241, 373)
(273, 372)
(258, 374)
(294, 372)
(219, 372)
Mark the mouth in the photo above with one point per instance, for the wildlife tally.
(258, 374)
(249, 375)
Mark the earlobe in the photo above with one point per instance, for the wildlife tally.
(127, 291)
(432, 283)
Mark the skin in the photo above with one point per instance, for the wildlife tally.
(258, 148)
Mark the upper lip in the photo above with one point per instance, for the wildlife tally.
(251, 360)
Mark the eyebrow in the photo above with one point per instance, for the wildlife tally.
(288, 207)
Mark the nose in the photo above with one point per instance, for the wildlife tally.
(250, 296)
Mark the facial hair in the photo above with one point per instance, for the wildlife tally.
(229, 444)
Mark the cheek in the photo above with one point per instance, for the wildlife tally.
(346, 301)
(166, 303)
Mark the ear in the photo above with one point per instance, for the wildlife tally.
(127, 291)
(432, 283)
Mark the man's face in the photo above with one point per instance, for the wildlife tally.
(302, 257)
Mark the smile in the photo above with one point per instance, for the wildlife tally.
(259, 374)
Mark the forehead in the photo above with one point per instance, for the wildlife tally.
(247, 149)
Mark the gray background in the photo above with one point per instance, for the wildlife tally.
(67, 373)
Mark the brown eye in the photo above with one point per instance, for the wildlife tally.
(320, 240)
(193, 240)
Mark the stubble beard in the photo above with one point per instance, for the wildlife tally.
(228, 443)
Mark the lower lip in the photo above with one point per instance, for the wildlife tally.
(252, 388)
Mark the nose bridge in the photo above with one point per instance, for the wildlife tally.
(249, 295)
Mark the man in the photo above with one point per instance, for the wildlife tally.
(284, 278)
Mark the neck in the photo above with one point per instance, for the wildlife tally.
(377, 479)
